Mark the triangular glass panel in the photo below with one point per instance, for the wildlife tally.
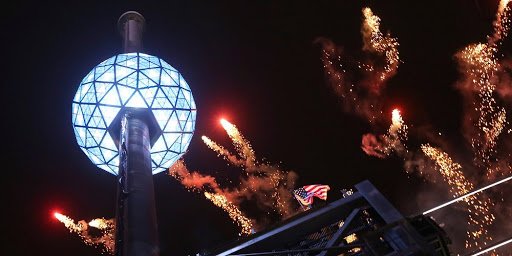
(125, 93)
(145, 81)
(185, 140)
(130, 60)
(189, 126)
(109, 113)
(90, 96)
(100, 70)
(170, 161)
(96, 160)
(75, 109)
(80, 136)
(182, 103)
(97, 134)
(162, 103)
(168, 156)
(111, 98)
(143, 62)
(96, 119)
(193, 114)
(108, 143)
(107, 76)
(173, 124)
(78, 95)
(176, 147)
(122, 72)
(158, 156)
(148, 94)
(162, 116)
(115, 161)
(153, 74)
(192, 104)
(130, 80)
(84, 88)
(89, 140)
(171, 138)
(187, 94)
(96, 122)
(105, 168)
(121, 57)
(95, 151)
(89, 77)
(175, 76)
(101, 89)
(154, 61)
(108, 154)
(136, 101)
(153, 164)
(182, 117)
(159, 145)
(87, 110)
(165, 79)
(182, 114)
(171, 93)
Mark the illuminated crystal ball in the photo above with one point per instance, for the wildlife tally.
(133, 80)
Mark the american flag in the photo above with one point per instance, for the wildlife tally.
(305, 194)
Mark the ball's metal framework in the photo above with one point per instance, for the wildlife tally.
(134, 116)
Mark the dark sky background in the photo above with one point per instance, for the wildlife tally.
(253, 62)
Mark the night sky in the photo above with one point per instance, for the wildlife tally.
(254, 63)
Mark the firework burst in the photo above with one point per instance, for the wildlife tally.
(479, 218)
(105, 241)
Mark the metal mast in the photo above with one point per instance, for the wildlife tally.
(136, 222)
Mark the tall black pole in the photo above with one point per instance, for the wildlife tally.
(136, 223)
(131, 25)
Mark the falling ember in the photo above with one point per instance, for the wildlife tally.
(107, 227)
(242, 146)
(234, 213)
(480, 217)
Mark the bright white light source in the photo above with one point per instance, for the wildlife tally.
(133, 80)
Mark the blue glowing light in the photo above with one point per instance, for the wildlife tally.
(133, 80)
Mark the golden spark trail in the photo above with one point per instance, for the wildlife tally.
(107, 227)
(480, 65)
(221, 151)
(68, 223)
(502, 23)
(234, 213)
(243, 147)
(480, 217)
(375, 41)
(260, 177)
